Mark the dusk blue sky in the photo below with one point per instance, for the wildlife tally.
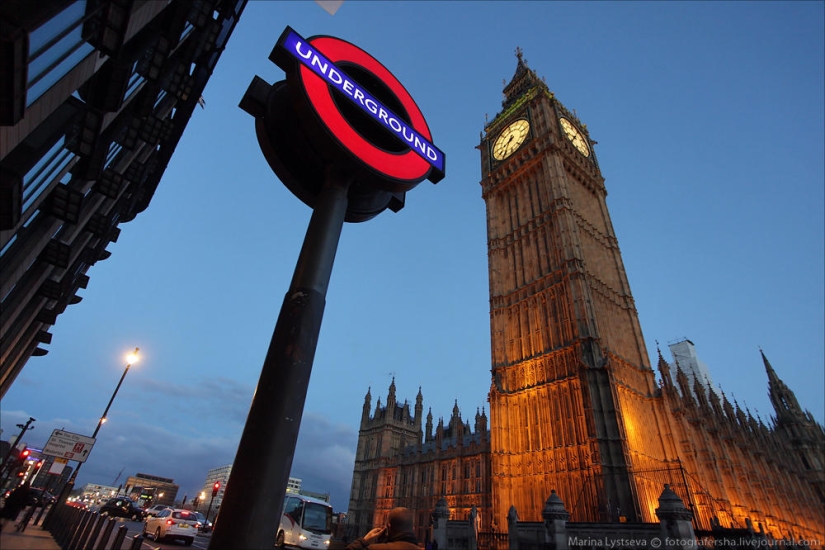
(709, 122)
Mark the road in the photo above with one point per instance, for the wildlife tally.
(136, 528)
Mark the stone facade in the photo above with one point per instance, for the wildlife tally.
(399, 462)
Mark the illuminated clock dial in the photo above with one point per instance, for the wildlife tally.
(575, 136)
(511, 139)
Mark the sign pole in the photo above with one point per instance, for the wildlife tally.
(253, 499)
(203, 529)
(319, 150)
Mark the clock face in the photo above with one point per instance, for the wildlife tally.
(575, 136)
(511, 139)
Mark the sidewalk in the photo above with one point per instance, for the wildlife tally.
(33, 538)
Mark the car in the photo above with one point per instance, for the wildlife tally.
(154, 510)
(39, 497)
(203, 524)
(122, 507)
(174, 523)
(77, 504)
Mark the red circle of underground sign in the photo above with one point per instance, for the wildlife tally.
(406, 166)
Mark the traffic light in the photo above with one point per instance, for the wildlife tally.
(20, 461)
(215, 488)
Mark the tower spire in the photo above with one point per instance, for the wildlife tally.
(391, 397)
(664, 369)
(805, 435)
(365, 412)
(419, 410)
(772, 377)
(783, 399)
(523, 80)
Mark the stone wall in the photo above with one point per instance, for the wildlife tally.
(674, 530)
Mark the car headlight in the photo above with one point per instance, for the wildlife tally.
(302, 537)
(326, 543)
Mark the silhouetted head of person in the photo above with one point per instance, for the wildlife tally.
(400, 520)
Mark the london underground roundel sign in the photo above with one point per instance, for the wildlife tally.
(323, 64)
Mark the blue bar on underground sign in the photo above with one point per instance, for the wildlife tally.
(323, 67)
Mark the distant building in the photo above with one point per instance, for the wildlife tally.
(152, 489)
(45, 479)
(215, 474)
(94, 97)
(684, 355)
(293, 485)
(222, 474)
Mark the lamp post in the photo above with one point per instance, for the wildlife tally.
(130, 360)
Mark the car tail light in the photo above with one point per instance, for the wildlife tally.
(170, 522)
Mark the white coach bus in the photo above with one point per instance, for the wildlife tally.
(305, 523)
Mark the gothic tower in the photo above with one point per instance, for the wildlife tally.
(572, 399)
(399, 464)
(800, 430)
(381, 436)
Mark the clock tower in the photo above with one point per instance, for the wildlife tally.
(572, 400)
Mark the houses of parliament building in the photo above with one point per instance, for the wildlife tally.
(574, 405)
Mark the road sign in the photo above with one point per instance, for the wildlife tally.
(58, 465)
(69, 445)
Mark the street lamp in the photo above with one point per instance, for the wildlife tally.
(130, 360)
